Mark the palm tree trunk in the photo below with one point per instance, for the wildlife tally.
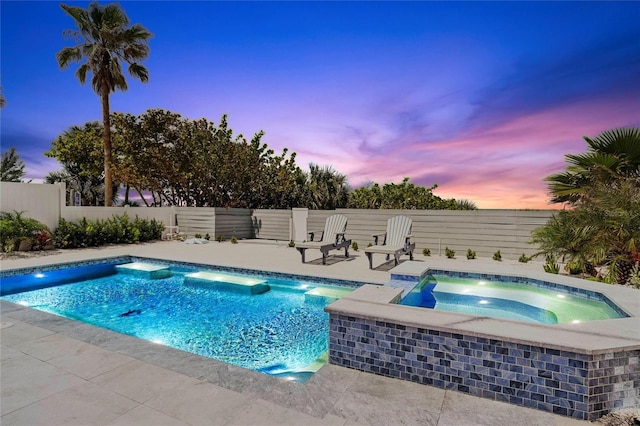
(106, 140)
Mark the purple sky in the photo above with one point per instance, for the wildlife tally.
(482, 98)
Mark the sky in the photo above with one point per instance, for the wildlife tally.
(483, 99)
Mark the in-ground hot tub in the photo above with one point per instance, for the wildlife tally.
(582, 370)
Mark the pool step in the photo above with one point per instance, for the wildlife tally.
(227, 282)
(145, 270)
(324, 293)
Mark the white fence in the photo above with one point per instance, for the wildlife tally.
(484, 231)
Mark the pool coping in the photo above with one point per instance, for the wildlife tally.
(380, 304)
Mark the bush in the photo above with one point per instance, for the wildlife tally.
(354, 246)
(524, 258)
(426, 252)
(233, 240)
(116, 230)
(451, 254)
(292, 243)
(471, 254)
(497, 256)
(551, 266)
(220, 238)
(14, 228)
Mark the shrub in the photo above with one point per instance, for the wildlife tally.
(292, 243)
(426, 252)
(573, 268)
(354, 246)
(524, 258)
(207, 236)
(116, 230)
(220, 238)
(15, 228)
(551, 266)
(497, 256)
(451, 254)
(198, 235)
(233, 240)
(471, 254)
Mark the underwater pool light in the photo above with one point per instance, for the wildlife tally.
(483, 302)
(560, 296)
(482, 282)
(23, 303)
(39, 275)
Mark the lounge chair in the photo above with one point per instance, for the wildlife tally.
(396, 242)
(332, 238)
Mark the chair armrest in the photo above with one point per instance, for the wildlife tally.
(313, 233)
(376, 236)
(339, 238)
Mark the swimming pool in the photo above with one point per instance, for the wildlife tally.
(269, 324)
(510, 299)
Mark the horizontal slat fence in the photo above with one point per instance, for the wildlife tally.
(484, 231)
(233, 223)
(271, 224)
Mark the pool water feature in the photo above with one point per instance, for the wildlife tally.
(279, 330)
(509, 300)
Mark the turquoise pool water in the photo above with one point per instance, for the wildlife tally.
(508, 300)
(276, 326)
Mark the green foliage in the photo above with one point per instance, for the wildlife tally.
(207, 236)
(551, 266)
(451, 254)
(603, 230)
(574, 268)
(405, 195)
(246, 173)
(292, 243)
(220, 238)
(612, 156)
(81, 153)
(11, 167)
(15, 228)
(471, 254)
(233, 239)
(198, 235)
(497, 256)
(116, 230)
(354, 246)
(426, 252)
(524, 258)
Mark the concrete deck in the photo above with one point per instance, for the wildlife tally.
(56, 371)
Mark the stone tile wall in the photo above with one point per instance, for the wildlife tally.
(583, 386)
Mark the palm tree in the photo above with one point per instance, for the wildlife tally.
(327, 189)
(12, 167)
(104, 40)
(612, 155)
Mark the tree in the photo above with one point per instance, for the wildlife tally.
(105, 39)
(612, 155)
(603, 187)
(12, 167)
(405, 195)
(326, 188)
(79, 150)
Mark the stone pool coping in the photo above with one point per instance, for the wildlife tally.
(589, 337)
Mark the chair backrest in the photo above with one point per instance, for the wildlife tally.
(398, 227)
(335, 224)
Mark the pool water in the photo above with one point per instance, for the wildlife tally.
(508, 300)
(281, 329)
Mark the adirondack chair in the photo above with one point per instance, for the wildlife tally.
(396, 240)
(332, 238)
